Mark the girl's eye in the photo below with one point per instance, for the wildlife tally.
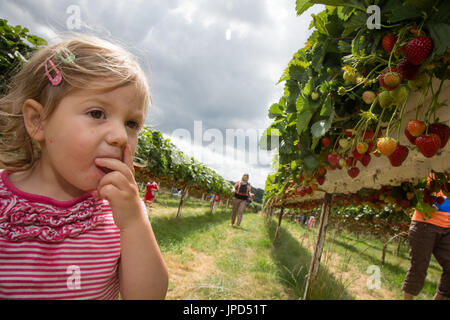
(96, 114)
(132, 124)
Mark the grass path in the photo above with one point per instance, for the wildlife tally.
(209, 259)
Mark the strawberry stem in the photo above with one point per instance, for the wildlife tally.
(390, 121)
(379, 123)
(424, 95)
(401, 119)
(434, 102)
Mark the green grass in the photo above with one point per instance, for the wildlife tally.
(209, 259)
(360, 253)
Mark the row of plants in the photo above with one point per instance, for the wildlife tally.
(387, 210)
(157, 158)
(347, 89)
(362, 219)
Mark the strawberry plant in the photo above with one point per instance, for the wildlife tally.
(158, 158)
(16, 46)
(347, 89)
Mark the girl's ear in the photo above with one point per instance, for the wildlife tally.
(32, 116)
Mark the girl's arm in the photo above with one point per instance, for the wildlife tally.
(142, 271)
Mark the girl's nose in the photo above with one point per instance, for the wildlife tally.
(117, 135)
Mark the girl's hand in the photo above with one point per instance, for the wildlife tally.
(120, 189)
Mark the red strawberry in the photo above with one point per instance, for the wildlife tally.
(408, 70)
(399, 155)
(418, 49)
(320, 180)
(350, 161)
(442, 130)
(356, 154)
(428, 145)
(308, 190)
(390, 78)
(388, 42)
(333, 159)
(416, 127)
(326, 142)
(349, 133)
(411, 138)
(366, 159)
(353, 172)
(368, 134)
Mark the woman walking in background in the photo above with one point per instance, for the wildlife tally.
(241, 192)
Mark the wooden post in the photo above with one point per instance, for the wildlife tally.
(315, 260)
(400, 242)
(280, 218)
(383, 255)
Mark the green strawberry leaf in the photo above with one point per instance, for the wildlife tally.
(275, 111)
(302, 5)
(311, 162)
(440, 34)
(303, 120)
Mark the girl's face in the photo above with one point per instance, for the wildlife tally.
(90, 124)
(245, 178)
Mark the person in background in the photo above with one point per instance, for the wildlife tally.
(311, 222)
(429, 236)
(216, 202)
(211, 201)
(241, 192)
(152, 191)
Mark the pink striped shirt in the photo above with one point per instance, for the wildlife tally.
(56, 249)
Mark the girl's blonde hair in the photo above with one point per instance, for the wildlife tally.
(98, 64)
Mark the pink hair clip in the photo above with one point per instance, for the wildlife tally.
(58, 78)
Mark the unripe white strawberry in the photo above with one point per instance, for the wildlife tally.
(368, 97)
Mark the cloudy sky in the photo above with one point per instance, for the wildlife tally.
(212, 65)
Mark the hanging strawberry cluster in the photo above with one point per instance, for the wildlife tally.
(412, 49)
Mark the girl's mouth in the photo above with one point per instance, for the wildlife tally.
(104, 169)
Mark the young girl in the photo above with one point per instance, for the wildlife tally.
(72, 225)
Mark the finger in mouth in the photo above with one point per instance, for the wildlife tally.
(105, 169)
